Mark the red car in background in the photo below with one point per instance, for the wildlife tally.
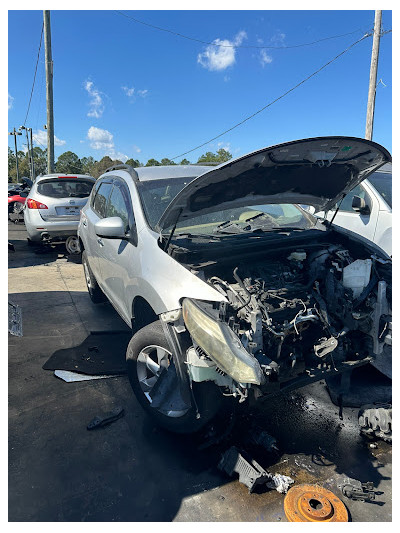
(17, 196)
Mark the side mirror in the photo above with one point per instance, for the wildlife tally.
(111, 228)
(358, 204)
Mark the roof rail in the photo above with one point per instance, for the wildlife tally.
(128, 168)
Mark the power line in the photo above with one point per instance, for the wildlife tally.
(34, 77)
(276, 99)
(231, 45)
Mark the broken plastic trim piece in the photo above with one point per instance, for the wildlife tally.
(251, 473)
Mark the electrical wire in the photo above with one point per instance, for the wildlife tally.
(232, 45)
(275, 100)
(34, 77)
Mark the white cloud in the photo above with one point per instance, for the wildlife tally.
(265, 59)
(10, 101)
(96, 103)
(278, 38)
(221, 57)
(100, 139)
(40, 137)
(131, 92)
(224, 146)
(137, 149)
(116, 155)
(128, 91)
(103, 140)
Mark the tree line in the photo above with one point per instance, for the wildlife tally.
(70, 163)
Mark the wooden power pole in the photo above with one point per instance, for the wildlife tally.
(373, 75)
(49, 92)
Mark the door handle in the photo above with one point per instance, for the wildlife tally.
(100, 241)
(84, 223)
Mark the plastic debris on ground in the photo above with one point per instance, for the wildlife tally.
(250, 472)
(70, 377)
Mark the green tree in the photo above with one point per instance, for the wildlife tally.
(12, 172)
(88, 165)
(221, 156)
(166, 161)
(185, 162)
(100, 166)
(153, 163)
(134, 163)
(40, 160)
(69, 163)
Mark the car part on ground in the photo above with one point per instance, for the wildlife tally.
(71, 377)
(100, 421)
(250, 472)
(363, 492)
(312, 503)
(14, 319)
(376, 421)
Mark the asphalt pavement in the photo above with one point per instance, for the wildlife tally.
(131, 470)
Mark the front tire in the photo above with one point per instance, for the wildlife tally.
(96, 294)
(148, 353)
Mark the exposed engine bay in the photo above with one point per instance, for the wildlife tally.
(300, 314)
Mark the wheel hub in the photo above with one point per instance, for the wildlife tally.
(311, 503)
(72, 245)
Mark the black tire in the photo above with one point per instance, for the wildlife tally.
(208, 396)
(96, 294)
(18, 208)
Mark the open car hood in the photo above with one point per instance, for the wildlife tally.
(317, 172)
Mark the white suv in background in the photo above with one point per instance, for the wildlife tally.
(367, 209)
(53, 207)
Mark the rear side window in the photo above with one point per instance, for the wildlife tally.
(100, 200)
(65, 188)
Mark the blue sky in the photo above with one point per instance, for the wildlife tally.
(127, 90)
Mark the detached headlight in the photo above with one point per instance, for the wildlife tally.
(221, 344)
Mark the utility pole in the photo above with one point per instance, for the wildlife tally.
(33, 154)
(15, 133)
(29, 150)
(372, 75)
(49, 92)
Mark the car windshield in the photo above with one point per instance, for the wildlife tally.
(65, 188)
(246, 219)
(156, 195)
(382, 181)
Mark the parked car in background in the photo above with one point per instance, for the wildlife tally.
(231, 289)
(53, 208)
(17, 194)
(367, 209)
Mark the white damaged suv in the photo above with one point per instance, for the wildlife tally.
(231, 289)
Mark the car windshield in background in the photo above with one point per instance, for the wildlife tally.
(247, 219)
(156, 195)
(65, 188)
(382, 182)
